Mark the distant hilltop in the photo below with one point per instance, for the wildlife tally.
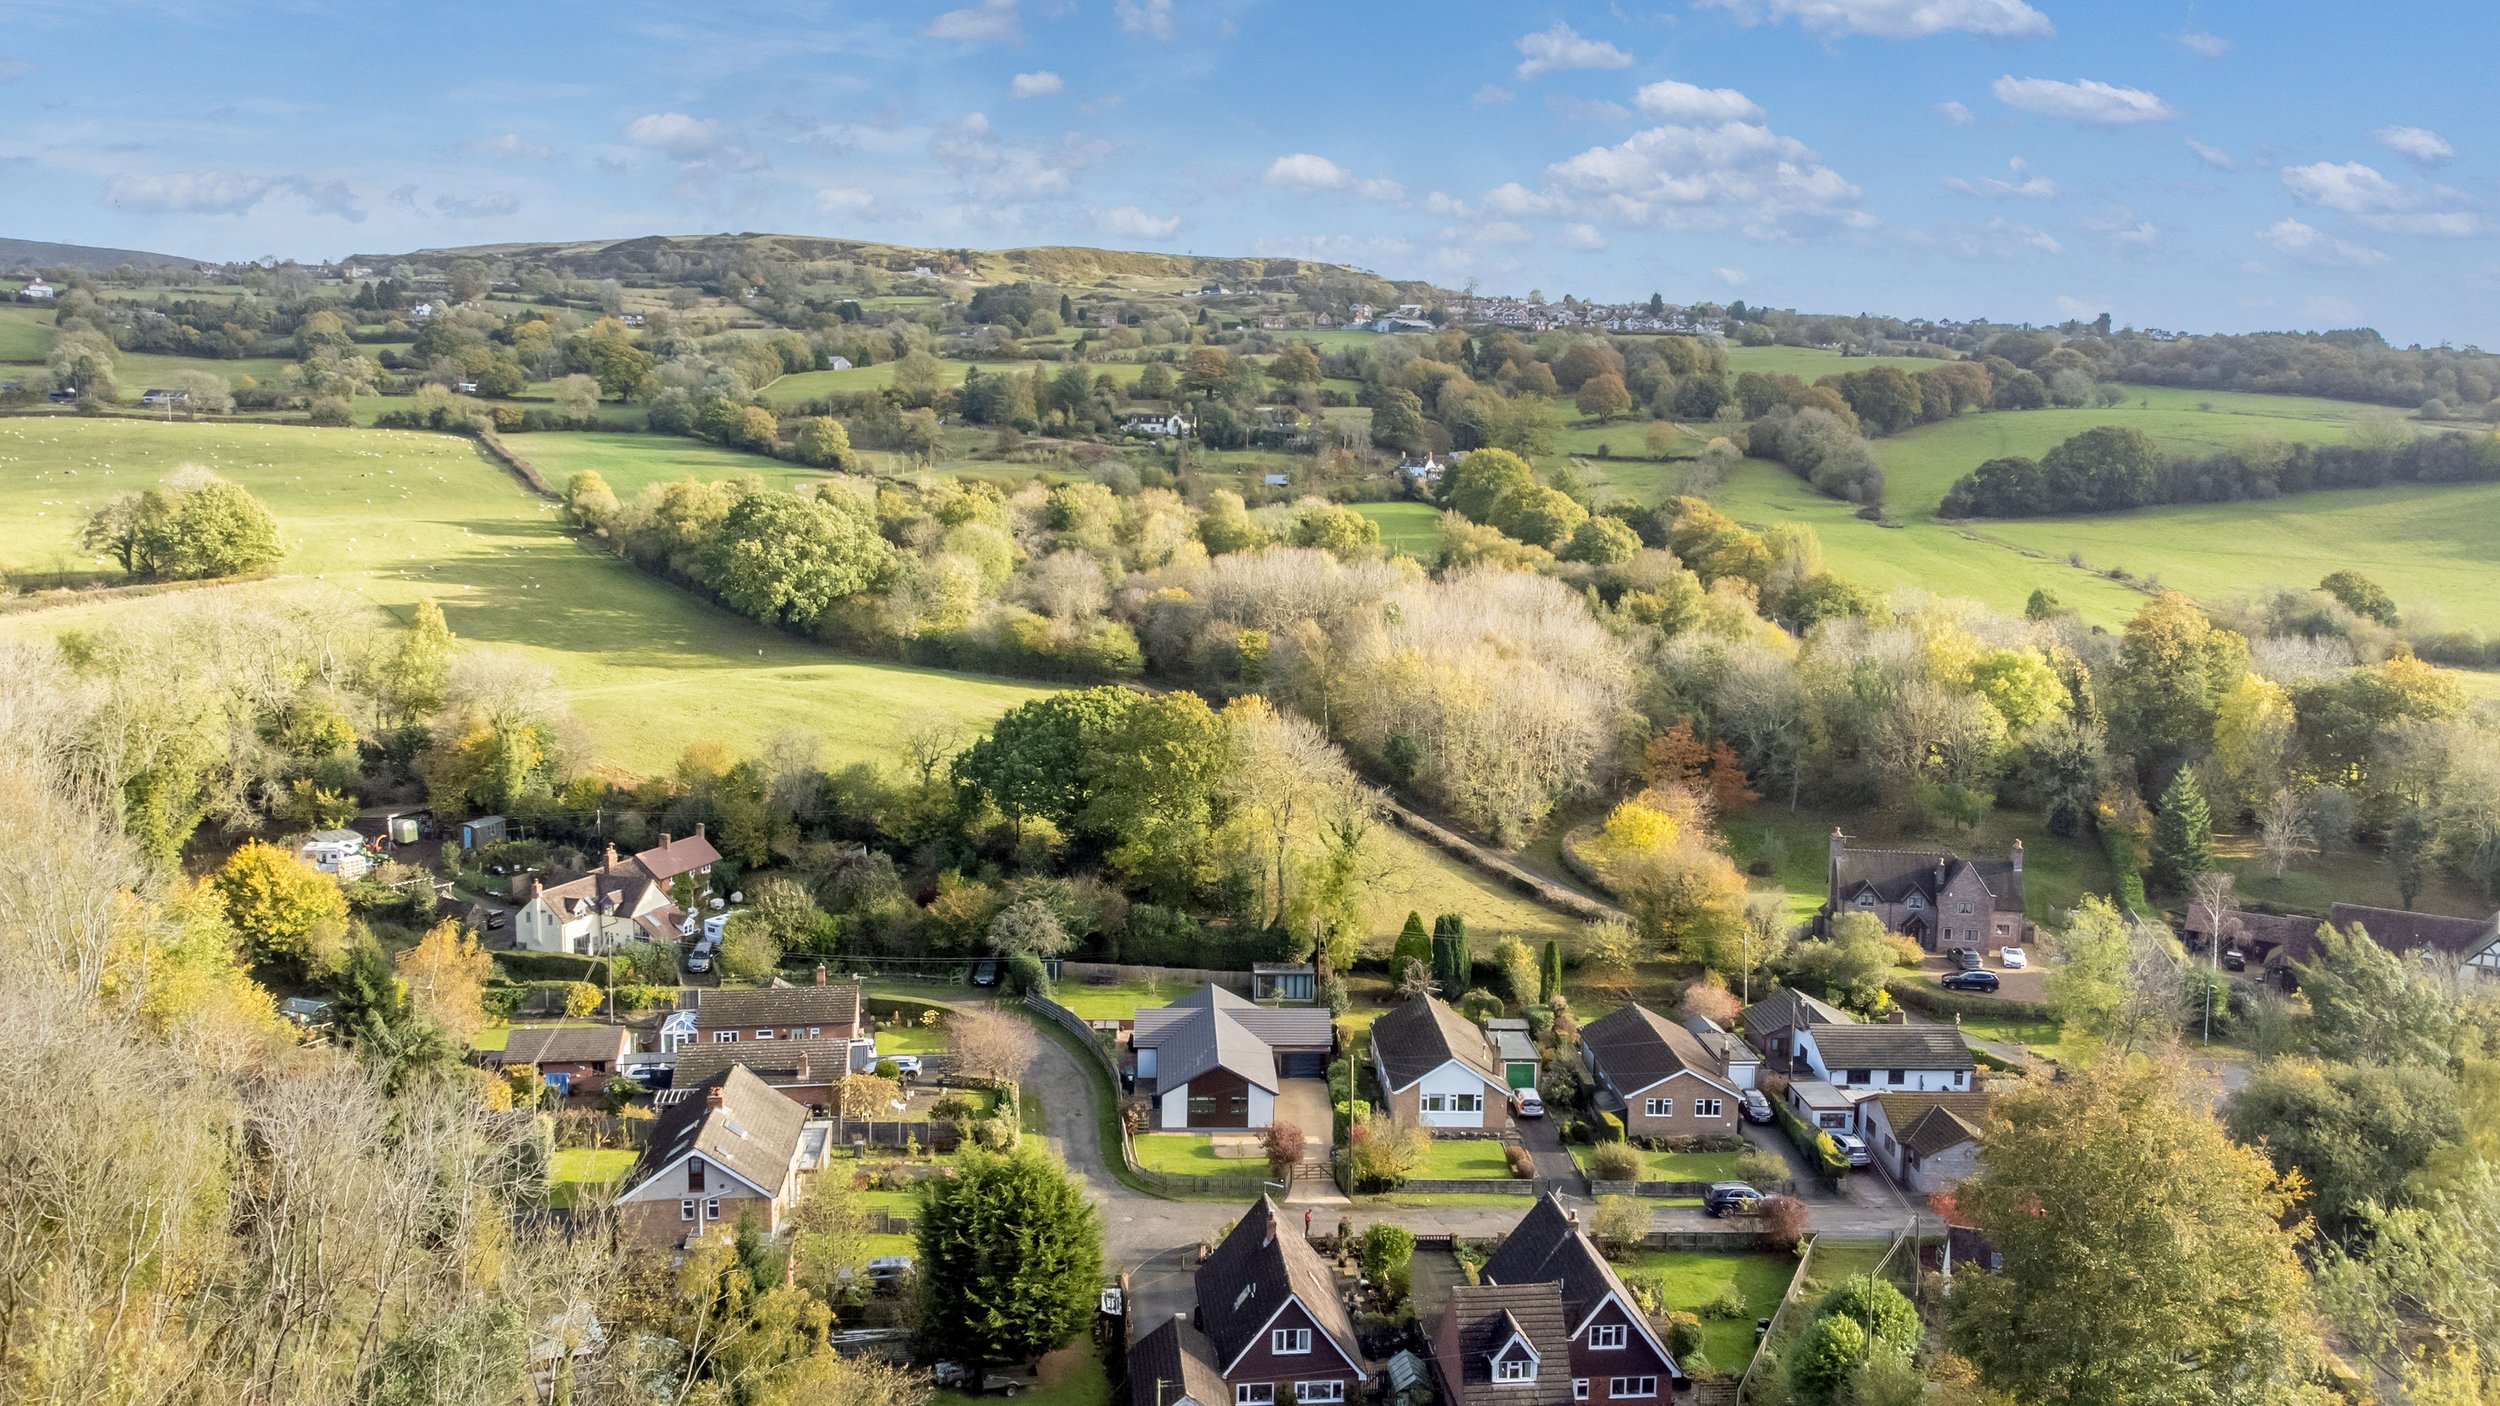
(36, 254)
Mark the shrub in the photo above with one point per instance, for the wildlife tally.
(1621, 1221)
(1824, 1358)
(1867, 1300)
(1614, 1161)
(1762, 1167)
(1784, 1221)
(1609, 1126)
(580, 999)
(1522, 1161)
(1284, 1145)
(1388, 1254)
(1683, 1334)
(1730, 1304)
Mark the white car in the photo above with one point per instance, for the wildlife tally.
(1527, 1103)
(1852, 1147)
(2012, 958)
(906, 1065)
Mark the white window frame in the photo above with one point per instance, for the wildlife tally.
(1709, 1108)
(1514, 1369)
(685, 1209)
(1330, 1390)
(711, 1208)
(1467, 1103)
(1255, 1394)
(1579, 1388)
(724, 1037)
(1626, 1388)
(763, 1034)
(1289, 1342)
(1658, 1108)
(1606, 1337)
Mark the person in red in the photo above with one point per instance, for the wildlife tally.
(1306, 1222)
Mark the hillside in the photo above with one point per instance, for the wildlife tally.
(35, 253)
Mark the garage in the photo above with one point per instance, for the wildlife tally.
(1303, 1064)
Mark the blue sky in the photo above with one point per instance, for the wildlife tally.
(2213, 166)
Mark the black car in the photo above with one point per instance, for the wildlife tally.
(2233, 960)
(1726, 1198)
(1970, 981)
(985, 972)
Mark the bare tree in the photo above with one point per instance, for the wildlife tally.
(2285, 830)
(989, 1047)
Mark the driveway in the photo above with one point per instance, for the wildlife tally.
(1553, 1162)
(1304, 1104)
(2024, 983)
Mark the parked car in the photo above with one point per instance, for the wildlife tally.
(1756, 1105)
(1966, 959)
(985, 972)
(1969, 981)
(1853, 1147)
(886, 1273)
(2012, 958)
(698, 961)
(1527, 1103)
(906, 1065)
(955, 1376)
(2234, 960)
(1730, 1198)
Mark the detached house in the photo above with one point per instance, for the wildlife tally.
(1549, 1323)
(1214, 1060)
(2473, 942)
(1926, 1142)
(621, 901)
(818, 1012)
(1438, 1071)
(727, 1153)
(1835, 1062)
(573, 1060)
(808, 1071)
(1658, 1076)
(1940, 900)
(1270, 1328)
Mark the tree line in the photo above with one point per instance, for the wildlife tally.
(2113, 468)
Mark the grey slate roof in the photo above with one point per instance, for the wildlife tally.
(1267, 1256)
(1424, 1034)
(1787, 1008)
(776, 1062)
(1175, 1366)
(1291, 1028)
(1545, 1247)
(777, 1006)
(2398, 930)
(753, 1133)
(1482, 1318)
(1636, 1047)
(1895, 874)
(1891, 1047)
(1212, 1040)
(574, 1045)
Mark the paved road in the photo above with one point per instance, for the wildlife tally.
(1157, 1239)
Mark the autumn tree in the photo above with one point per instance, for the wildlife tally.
(446, 974)
(1603, 397)
(2078, 1181)
(287, 912)
(988, 1047)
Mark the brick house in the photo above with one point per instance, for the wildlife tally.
(1927, 1142)
(727, 1152)
(809, 1071)
(818, 1012)
(1547, 1263)
(1658, 1077)
(1270, 1328)
(573, 1060)
(625, 899)
(2473, 942)
(1437, 1070)
(1942, 901)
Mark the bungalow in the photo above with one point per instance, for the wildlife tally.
(809, 1071)
(1772, 1024)
(35, 288)
(573, 1060)
(1269, 1328)
(338, 852)
(1926, 1142)
(158, 397)
(1658, 1077)
(2473, 942)
(818, 1012)
(1438, 1071)
(1166, 425)
(1214, 1060)
(725, 1155)
(1557, 1292)
(1921, 1058)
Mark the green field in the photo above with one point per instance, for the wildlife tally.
(1413, 528)
(1810, 364)
(632, 462)
(396, 516)
(25, 333)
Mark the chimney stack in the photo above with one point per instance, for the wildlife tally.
(611, 856)
(698, 829)
(716, 1096)
(664, 839)
(820, 973)
(2018, 856)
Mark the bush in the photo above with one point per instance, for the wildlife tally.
(645, 996)
(1824, 1358)
(1026, 975)
(1867, 1300)
(1620, 1221)
(1522, 1161)
(1388, 1254)
(1284, 1145)
(1784, 1221)
(580, 999)
(1762, 1167)
(1614, 1161)
(1683, 1334)
(1730, 1304)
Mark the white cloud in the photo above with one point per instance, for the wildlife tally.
(1954, 113)
(1153, 17)
(686, 138)
(2443, 224)
(2421, 143)
(228, 193)
(1489, 232)
(1582, 236)
(1515, 199)
(989, 22)
(1686, 102)
(1562, 48)
(2026, 236)
(510, 146)
(2023, 186)
(1733, 278)
(1044, 84)
(1491, 95)
(2088, 101)
(1697, 177)
(2348, 186)
(1443, 204)
(1897, 19)
(2203, 45)
(1133, 223)
(477, 207)
(2213, 156)
(845, 200)
(1310, 174)
(994, 172)
(1587, 110)
(2309, 244)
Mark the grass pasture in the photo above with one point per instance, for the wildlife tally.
(396, 516)
(25, 333)
(632, 462)
(1412, 528)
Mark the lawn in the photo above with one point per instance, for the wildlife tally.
(910, 1039)
(1191, 1155)
(1413, 528)
(1688, 1279)
(574, 1170)
(396, 516)
(1680, 1166)
(1114, 1001)
(2057, 873)
(1463, 1159)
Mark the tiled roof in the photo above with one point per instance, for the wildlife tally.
(1482, 1318)
(1424, 1034)
(1297, 1027)
(1637, 1047)
(2400, 931)
(1258, 1266)
(1928, 1123)
(1895, 874)
(562, 1045)
(753, 1132)
(827, 1006)
(1175, 1366)
(1788, 1008)
(1891, 1047)
(776, 1062)
(2288, 936)
(670, 858)
(1211, 1039)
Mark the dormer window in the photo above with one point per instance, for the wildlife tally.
(1866, 900)
(1915, 903)
(1514, 1369)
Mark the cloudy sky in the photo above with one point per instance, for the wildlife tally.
(2206, 166)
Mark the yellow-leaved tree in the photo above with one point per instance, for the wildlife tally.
(286, 911)
(445, 974)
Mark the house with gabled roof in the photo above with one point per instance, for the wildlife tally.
(1437, 1070)
(1270, 1327)
(573, 1059)
(2474, 943)
(1658, 1076)
(1609, 1352)
(1927, 1142)
(591, 914)
(1214, 1060)
(754, 1015)
(809, 1071)
(1923, 1058)
(1941, 901)
(1504, 1345)
(1772, 1025)
(727, 1154)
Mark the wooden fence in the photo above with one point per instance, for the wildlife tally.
(1179, 979)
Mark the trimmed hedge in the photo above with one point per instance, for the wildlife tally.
(552, 966)
(1927, 998)
(1818, 1148)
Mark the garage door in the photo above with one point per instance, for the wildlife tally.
(1305, 1064)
